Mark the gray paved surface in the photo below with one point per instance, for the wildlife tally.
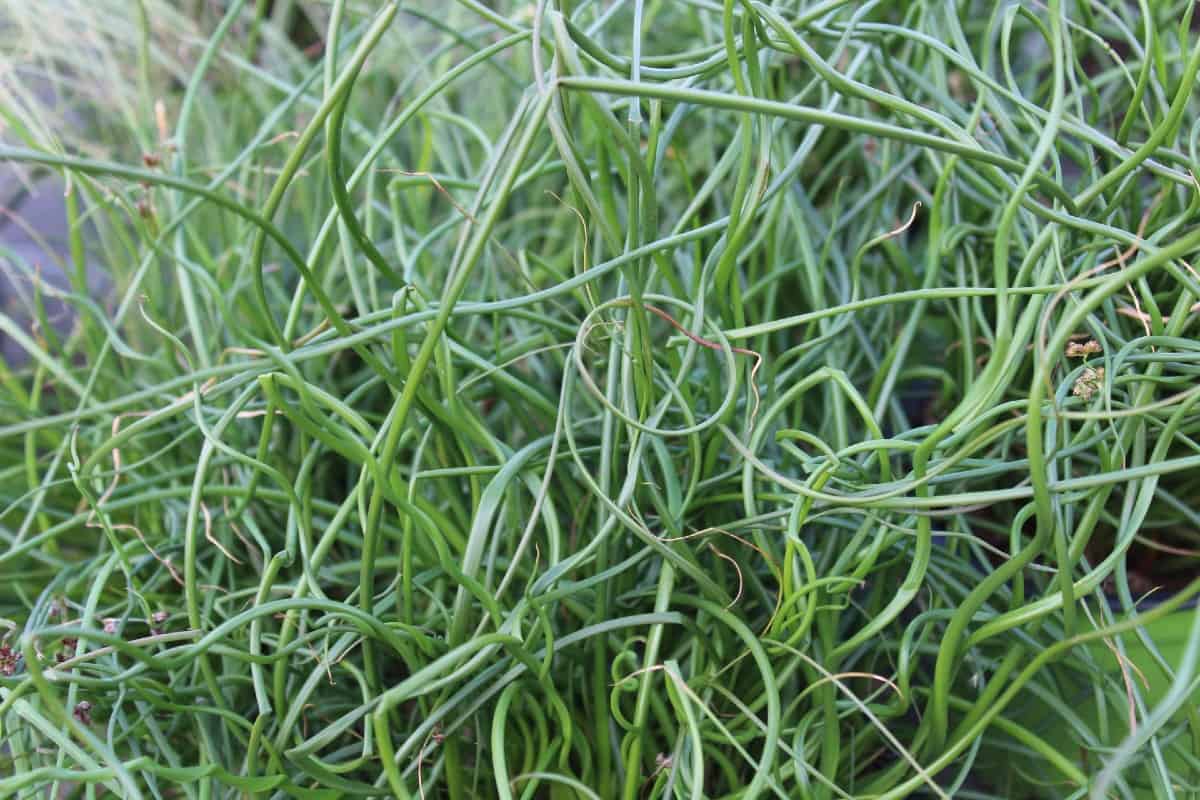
(34, 239)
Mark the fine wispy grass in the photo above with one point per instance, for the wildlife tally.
(657, 398)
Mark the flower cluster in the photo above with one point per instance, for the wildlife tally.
(9, 659)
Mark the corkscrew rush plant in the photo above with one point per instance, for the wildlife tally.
(580, 399)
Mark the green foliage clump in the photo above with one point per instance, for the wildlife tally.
(622, 400)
